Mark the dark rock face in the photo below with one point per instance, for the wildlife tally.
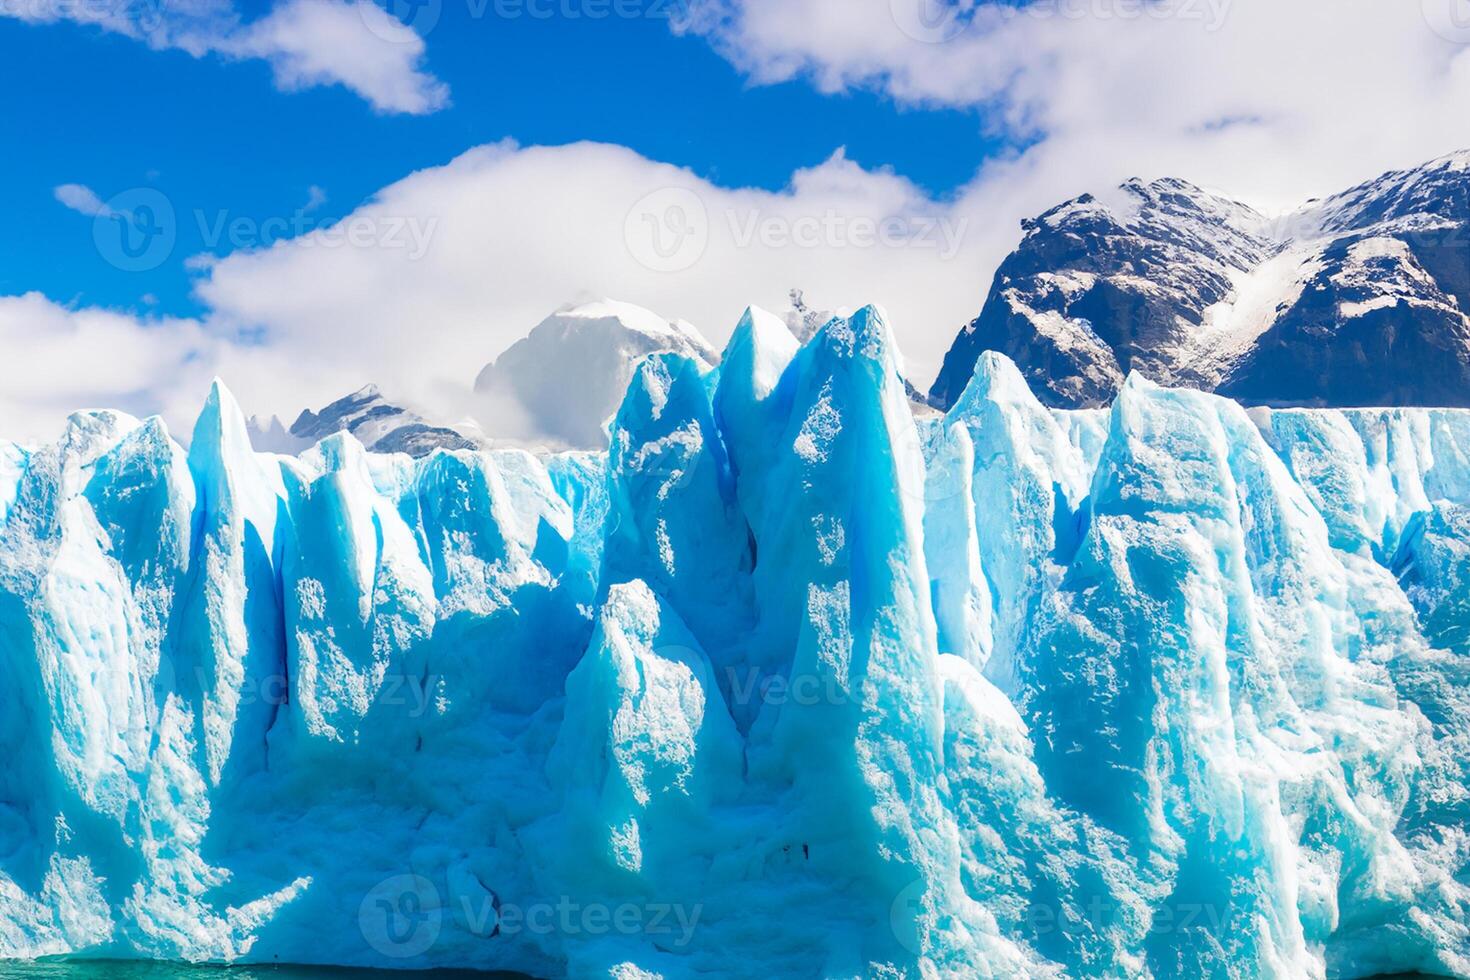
(420, 439)
(1097, 290)
(1373, 327)
(380, 426)
(1358, 299)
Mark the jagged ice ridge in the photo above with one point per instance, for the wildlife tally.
(784, 683)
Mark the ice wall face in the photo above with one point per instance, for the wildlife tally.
(786, 683)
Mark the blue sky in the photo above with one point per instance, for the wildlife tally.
(219, 138)
(294, 140)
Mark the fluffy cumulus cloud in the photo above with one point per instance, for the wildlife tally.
(420, 287)
(322, 42)
(307, 43)
(443, 270)
(60, 359)
(1272, 100)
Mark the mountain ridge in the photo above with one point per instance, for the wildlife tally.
(1327, 305)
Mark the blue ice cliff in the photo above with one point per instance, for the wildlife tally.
(785, 683)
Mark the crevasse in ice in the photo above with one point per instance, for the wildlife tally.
(785, 683)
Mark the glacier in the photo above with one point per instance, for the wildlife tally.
(787, 682)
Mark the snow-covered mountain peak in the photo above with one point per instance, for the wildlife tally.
(1164, 210)
(562, 382)
(1439, 189)
(1355, 299)
(1100, 286)
(380, 425)
(615, 320)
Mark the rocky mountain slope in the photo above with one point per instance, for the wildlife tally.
(380, 425)
(1358, 299)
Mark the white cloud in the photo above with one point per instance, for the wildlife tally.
(321, 42)
(1267, 101)
(59, 360)
(82, 199)
(442, 270)
(1274, 100)
(419, 288)
(307, 43)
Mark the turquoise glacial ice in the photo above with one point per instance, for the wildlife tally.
(786, 683)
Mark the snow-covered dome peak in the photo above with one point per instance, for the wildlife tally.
(560, 383)
(610, 316)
